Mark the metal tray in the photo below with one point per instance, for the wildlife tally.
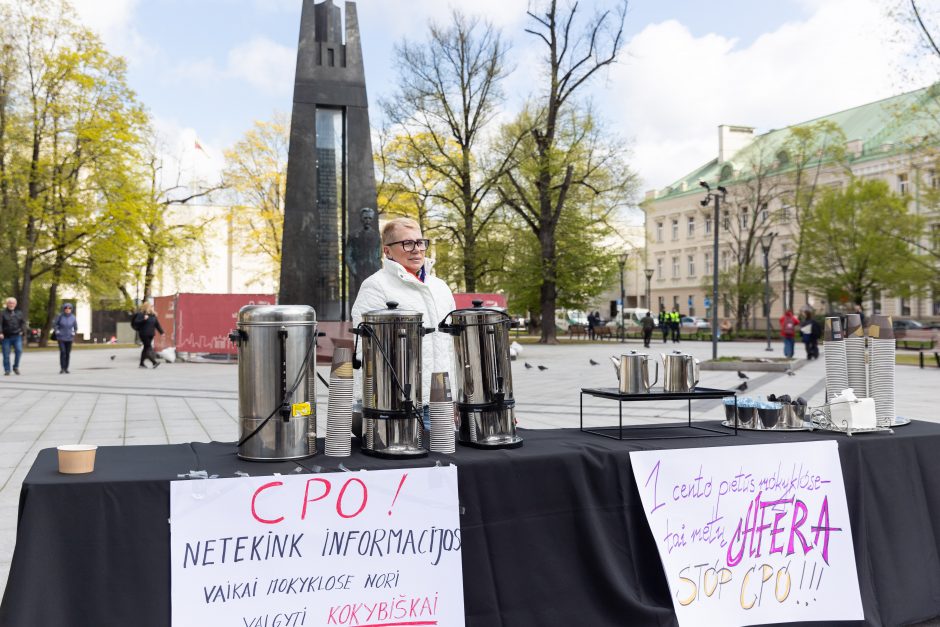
(807, 426)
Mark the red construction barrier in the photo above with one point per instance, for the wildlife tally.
(465, 301)
(200, 323)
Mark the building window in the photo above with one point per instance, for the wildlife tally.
(725, 259)
(675, 302)
(934, 179)
(905, 306)
(662, 303)
(691, 230)
(763, 213)
(708, 263)
(876, 302)
(691, 265)
(691, 305)
(725, 221)
(659, 269)
(785, 212)
(744, 219)
(708, 225)
(659, 231)
(675, 230)
(902, 183)
(675, 267)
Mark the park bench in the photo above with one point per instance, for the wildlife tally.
(577, 331)
(603, 332)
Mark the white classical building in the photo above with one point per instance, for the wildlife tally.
(884, 139)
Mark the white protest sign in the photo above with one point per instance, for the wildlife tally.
(378, 548)
(752, 534)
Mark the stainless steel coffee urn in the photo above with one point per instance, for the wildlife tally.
(391, 382)
(277, 357)
(482, 377)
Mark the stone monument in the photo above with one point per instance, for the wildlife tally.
(330, 176)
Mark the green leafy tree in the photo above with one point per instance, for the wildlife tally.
(448, 91)
(856, 243)
(256, 174)
(808, 151)
(574, 259)
(554, 158)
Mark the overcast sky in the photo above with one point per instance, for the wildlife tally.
(207, 68)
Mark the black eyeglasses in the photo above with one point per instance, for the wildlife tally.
(408, 245)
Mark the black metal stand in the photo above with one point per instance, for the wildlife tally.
(697, 394)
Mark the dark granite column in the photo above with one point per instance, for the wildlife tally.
(330, 175)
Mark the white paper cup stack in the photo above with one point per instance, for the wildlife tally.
(837, 375)
(442, 414)
(339, 412)
(368, 424)
(883, 351)
(857, 368)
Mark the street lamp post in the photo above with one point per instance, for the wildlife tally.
(766, 241)
(718, 196)
(785, 265)
(623, 262)
(649, 277)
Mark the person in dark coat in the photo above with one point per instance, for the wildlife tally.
(648, 324)
(65, 326)
(811, 331)
(12, 330)
(665, 322)
(146, 324)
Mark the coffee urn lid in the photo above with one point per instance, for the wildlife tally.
(392, 314)
(478, 313)
(277, 314)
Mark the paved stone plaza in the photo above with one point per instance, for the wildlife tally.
(109, 401)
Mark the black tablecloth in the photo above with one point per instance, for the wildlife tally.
(553, 533)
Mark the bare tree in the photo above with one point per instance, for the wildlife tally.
(574, 53)
(448, 91)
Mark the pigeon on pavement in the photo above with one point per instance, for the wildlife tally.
(543, 367)
(742, 387)
(593, 363)
(527, 364)
(741, 375)
(112, 357)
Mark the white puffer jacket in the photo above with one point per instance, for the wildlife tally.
(432, 298)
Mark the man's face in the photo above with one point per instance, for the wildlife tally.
(368, 219)
(11, 303)
(412, 261)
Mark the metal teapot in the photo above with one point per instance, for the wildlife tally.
(633, 373)
(680, 373)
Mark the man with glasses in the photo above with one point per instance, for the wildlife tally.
(405, 279)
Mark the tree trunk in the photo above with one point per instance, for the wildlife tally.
(50, 310)
(548, 292)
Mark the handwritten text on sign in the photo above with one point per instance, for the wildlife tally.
(752, 534)
(378, 548)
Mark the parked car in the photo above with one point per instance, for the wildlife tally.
(564, 318)
(908, 329)
(631, 318)
(688, 322)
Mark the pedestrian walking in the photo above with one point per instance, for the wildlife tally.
(64, 328)
(592, 322)
(788, 326)
(12, 330)
(665, 322)
(675, 319)
(146, 324)
(811, 331)
(648, 323)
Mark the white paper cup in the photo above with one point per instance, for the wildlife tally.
(75, 459)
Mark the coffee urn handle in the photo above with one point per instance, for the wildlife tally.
(285, 401)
